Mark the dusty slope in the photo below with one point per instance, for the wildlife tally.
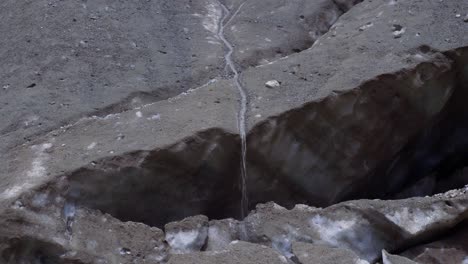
(343, 109)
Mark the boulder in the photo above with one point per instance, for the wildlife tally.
(187, 235)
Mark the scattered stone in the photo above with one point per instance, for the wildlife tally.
(272, 84)
(187, 235)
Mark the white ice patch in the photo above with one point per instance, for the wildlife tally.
(417, 220)
(330, 230)
(183, 241)
(139, 114)
(465, 261)
(350, 234)
(212, 18)
(37, 168)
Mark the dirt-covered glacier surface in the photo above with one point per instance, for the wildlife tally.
(143, 131)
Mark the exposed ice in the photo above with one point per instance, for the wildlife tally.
(417, 220)
(283, 244)
(40, 200)
(330, 230)
(185, 241)
(350, 234)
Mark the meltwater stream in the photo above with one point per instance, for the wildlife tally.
(243, 102)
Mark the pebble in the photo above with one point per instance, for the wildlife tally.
(272, 84)
(398, 31)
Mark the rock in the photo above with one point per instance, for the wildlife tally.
(296, 122)
(187, 235)
(221, 233)
(364, 227)
(33, 231)
(398, 31)
(394, 259)
(237, 252)
(314, 254)
(272, 84)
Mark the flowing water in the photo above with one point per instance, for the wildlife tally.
(243, 102)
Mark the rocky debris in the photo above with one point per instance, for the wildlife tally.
(64, 60)
(363, 114)
(237, 252)
(350, 232)
(394, 259)
(318, 254)
(187, 235)
(31, 234)
(44, 226)
(289, 159)
(364, 227)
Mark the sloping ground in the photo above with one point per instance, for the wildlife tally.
(349, 117)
